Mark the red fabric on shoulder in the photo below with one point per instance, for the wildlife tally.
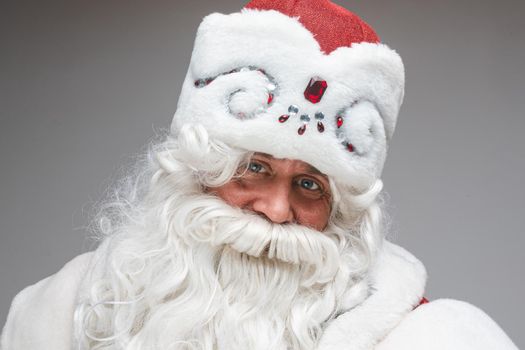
(332, 25)
(421, 302)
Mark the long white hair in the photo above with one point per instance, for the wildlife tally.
(178, 268)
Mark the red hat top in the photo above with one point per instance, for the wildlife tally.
(332, 26)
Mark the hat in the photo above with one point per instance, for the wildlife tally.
(297, 79)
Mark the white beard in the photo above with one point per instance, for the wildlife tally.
(179, 269)
(266, 305)
(221, 279)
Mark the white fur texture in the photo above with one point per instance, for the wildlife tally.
(41, 315)
(447, 324)
(365, 86)
(389, 302)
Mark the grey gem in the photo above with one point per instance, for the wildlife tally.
(293, 109)
(319, 115)
(305, 118)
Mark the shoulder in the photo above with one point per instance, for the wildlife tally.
(395, 285)
(41, 315)
(447, 324)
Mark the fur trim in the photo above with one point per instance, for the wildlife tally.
(447, 324)
(41, 315)
(280, 56)
(397, 286)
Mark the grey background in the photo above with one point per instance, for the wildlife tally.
(85, 84)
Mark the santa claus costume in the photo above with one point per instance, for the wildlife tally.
(177, 268)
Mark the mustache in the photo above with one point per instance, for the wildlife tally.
(211, 220)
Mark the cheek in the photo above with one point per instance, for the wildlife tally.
(314, 214)
(231, 193)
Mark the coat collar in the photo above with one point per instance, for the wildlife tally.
(396, 286)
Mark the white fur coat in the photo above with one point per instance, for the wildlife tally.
(41, 316)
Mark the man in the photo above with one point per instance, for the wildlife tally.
(257, 222)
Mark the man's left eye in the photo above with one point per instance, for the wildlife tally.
(309, 184)
(255, 167)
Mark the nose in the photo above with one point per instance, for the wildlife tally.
(273, 202)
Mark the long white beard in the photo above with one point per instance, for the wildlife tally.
(218, 278)
(266, 305)
(276, 281)
(179, 269)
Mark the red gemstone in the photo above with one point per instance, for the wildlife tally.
(301, 130)
(270, 98)
(350, 147)
(339, 122)
(320, 127)
(283, 118)
(315, 90)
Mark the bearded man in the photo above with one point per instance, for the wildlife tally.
(257, 222)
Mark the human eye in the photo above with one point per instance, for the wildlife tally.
(253, 169)
(309, 184)
(256, 167)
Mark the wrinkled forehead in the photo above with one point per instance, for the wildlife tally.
(281, 95)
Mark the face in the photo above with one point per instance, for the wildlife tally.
(281, 190)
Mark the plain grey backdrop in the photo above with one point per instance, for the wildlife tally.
(85, 84)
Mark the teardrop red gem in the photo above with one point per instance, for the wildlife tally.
(350, 147)
(283, 118)
(339, 122)
(315, 90)
(320, 127)
(270, 98)
(301, 130)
